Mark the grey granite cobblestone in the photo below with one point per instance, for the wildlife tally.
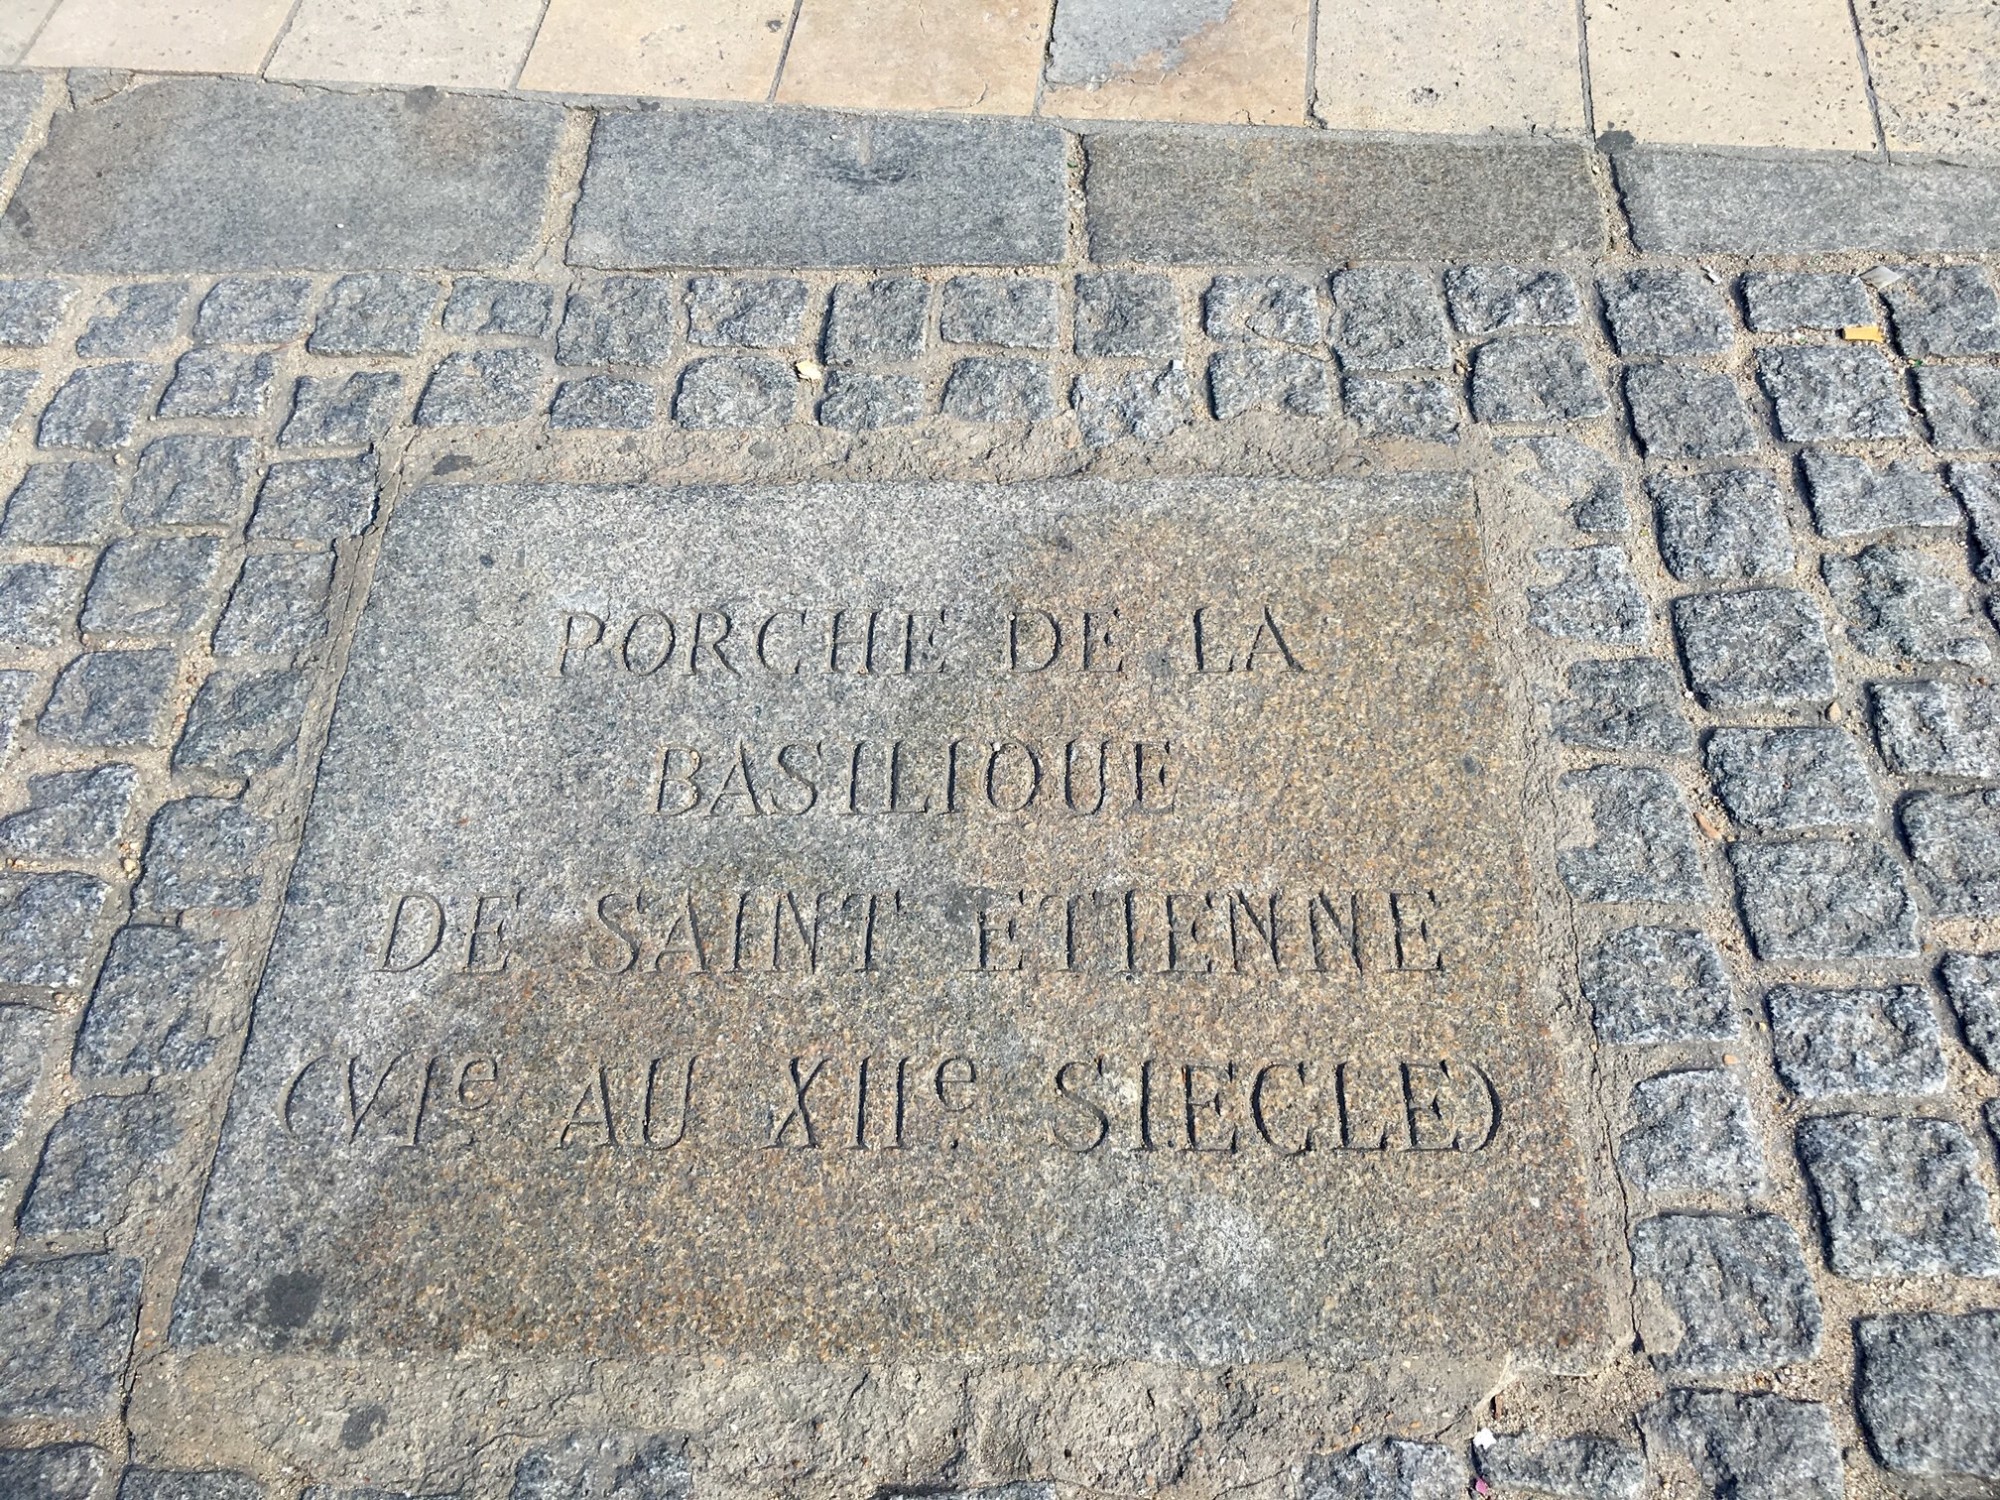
(1962, 405)
(1595, 598)
(243, 723)
(191, 481)
(1666, 312)
(97, 1154)
(1978, 489)
(1692, 1132)
(1486, 299)
(151, 1010)
(316, 499)
(1722, 524)
(1750, 1447)
(984, 389)
(57, 1471)
(277, 606)
(1013, 312)
(1929, 1394)
(485, 389)
(1385, 408)
(605, 402)
(1644, 848)
(1532, 380)
(1647, 985)
(201, 852)
(1272, 309)
(38, 602)
(1127, 314)
(1683, 412)
(1824, 899)
(1791, 780)
(71, 815)
(1580, 478)
(109, 698)
(46, 924)
(618, 320)
(1389, 1469)
(613, 1465)
(1793, 301)
(1112, 404)
(30, 311)
(1833, 393)
(735, 390)
(1736, 1288)
(1954, 840)
(1832, 1043)
(188, 1484)
(1903, 605)
(1898, 1196)
(1944, 310)
(481, 306)
(71, 503)
(137, 319)
(66, 1326)
(97, 408)
(350, 411)
(1576, 1468)
(24, 1037)
(1758, 648)
(1927, 728)
(153, 585)
(860, 400)
(877, 322)
(1390, 318)
(734, 312)
(1629, 703)
(1260, 379)
(254, 310)
(374, 312)
(1852, 497)
(206, 383)
(1972, 984)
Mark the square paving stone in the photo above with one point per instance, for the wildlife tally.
(66, 1328)
(1015, 312)
(97, 407)
(71, 815)
(107, 698)
(1749, 1447)
(1760, 648)
(1904, 605)
(1577, 1468)
(1722, 524)
(862, 401)
(45, 927)
(243, 723)
(621, 320)
(480, 306)
(1389, 1468)
(254, 310)
(1791, 780)
(1898, 1196)
(97, 1153)
(38, 602)
(1790, 301)
(1127, 313)
(1831, 1043)
(1692, 1132)
(1944, 310)
(984, 389)
(1681, 412)
(1667, 312)
(1535, 381)
(217, 383)
(604, 402)
(16, 386)
(1146, 404)
(1954, 840)
(1978, 489)
(374, 312)
(1962, 404)
(1824, 899)
(278, 606)
(877, 322)
(1272, 309)
(1852, 497)
(735, 312)
(191, 481)
(15, 690)
(188, 1484)
(342, 412)
(1631, 703)
(1423, 409)
(30, 311)
(1485, 299)
(153, 585)
(1658, 984)
(1389, 318)
(1581, 478)
(316, 500)
(138, 319)
(1261, 379)
(150, 1013)
(1824, 392)
(486, 389)
(1972, 983)
(615, 1465)
(1645, 849)
(61, 1471)
(736, 390)
(1737, 1285)
(201, 852)
(1594, 600)
(24, 1037)
(1928, 1393)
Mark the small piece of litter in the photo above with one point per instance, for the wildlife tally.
(1834, 712)
(1863, 333)
(1483, 1439)
(1481, 1487)
(1881, 276)
(810, 370)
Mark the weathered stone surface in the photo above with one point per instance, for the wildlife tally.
(1737, 1287)
(1644, 850)
(1127, 313)
(1760, 648)
(605, 402)
(191, 481)
(71, 815)
(316, 500)
(38, 602)
(1387, 1469)
(1535, 380)
(736, 390)
(1961, 402)
(278, 606)
(1148, 404)
(1389, 318)
(1272, 309)
(62, 503)
(24, 1037)
(150, 1011)
(1486, 299)
(1165, 197)
(877, 322)
(1015, 312)
(1692, 1132)
(98, 1152)
(1790, 780)
(328, 1233)
(720, 187)
(153, 585)
(202, 852)
(584, 1466)
(1944, 310)
(65, 1329)
(1972, 984)
(1978, 489)
(1903, 605)
(243, 723)
(97, 407)
(1594, 600)
(1632, 703)
(859, 401)
(188, 1484)
(1834, 1042)
(1722, 524)
(1658, 984)
(61, 1471)
(1927, 1392)
(1824, 899)
(1827, 392)
(1000, 390)
(342, 413)
(1750, 1447)
(374, 312)
(481, 306)
(30, 311)
(1581, 478)
(1095, 41)
(208, 174)
(745, 313)
(137, 319)
(1683, 412)
(1954, 840)
(217, 383)
(627, 320)
(1654, 311)
(1788, 301)
(108, 698)
(1577, 1468)
(254, 310)
(1898, 1196)
(45, 928)
(484, 389)
(1425, 409)
(1259, 379)
(1851, 497)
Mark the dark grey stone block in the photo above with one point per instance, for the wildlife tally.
(153, 585)
(1658, 984)
(1824, 392)
(743, 313)
(1265, 379)
(1576, 1468)
(1535, 380)
(480, 306)
(736, 390)
(1938, 728)
(1903, 605)
(877, 322)
(1928, 1394)
(1389, 318)
(1386, 1469)
(243, 723)
(1738, 1286)
(1594, 600)
(1749, 1447)
(622, 320)
(1630, 703)
(1692, 1132)
(1014, 312)
(1831, 1043)
(66, 1327)
(1898, 1197)
(1645, 849)
(1722, 524)
(38, 602)
(1164, 196)
(1944, 310)
(30, 312)
(627, 1466)
(1581, 478)
(107, 698)
(316, 500)
(861, 401)
(1127, 313)
(1790, 780)
(16, 386)
(199, 853)
(1788, 301)
(1000, 390)
(374, 312)
(45, 928)
(21, 98)
(96, 1154)
(15, 690)
(1486, 299)
(1962, 404)
(1760, 648)
(1146, 404)
(207, 174)
(485, 389)
(24, 1037)
(1954, 840)
(1425, 409)
(188, 1484)
(1824, 899)
(97, 407)
(604, 402)
(216, 383)
(62, 1471)
(1659, 311)
(1682, 412)
(254, 310)
(1972, 983)
(1268, 309)
(349, 412)
(191, 481)
(150, 1012)
(720, 187)
(1852, 497)
(278, 606)
(1978, 489)
(137, 319)
(71, 815)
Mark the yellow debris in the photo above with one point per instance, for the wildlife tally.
(810, 370)
(1863, 333)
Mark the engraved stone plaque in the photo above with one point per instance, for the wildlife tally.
(895, 921)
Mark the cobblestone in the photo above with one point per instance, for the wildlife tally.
(1582, 479)
(1944, 310)
(1389, 318)
(1972, 984)
(1645, 849)
(1126, 313)
(1576, 1468)
(1760, 648)
(71, 815)
(191, 481)
(278, 606)
(137, 319)
(1013, 312)
(1535, 380)
(858, 401)
(1486, 299)
(1631, 703)
(1736, 1285)
(153, 585)
(254, 310)
(109, 698)
(316, 500)
(1978, 489)
(486, 389)
(1834, 1043)
(983, 389)
(1274, 309)
(877, 322)
(1898, 1196)
(1962, 404)
(1750, 1447)
(1681, 412)
(188, 1484)
(1424, 409)
(97, 408)
(1902, 605)
(151, 1010)
(1722, 525)
(30, 311)
(1146, 404)
(65, 1328)
(1647, 985)
(1388, 1469)
(1791, 301)
(1666, 312)
(1692, 1133)
(483, 306)
(211, 383)
(1824, 392)
(74, 504)
(616, 1466)
(1937, 728)
(1928, 1392)
(243, 723)
(45, 928)
(24, 1037)
(1594, 600)
(731, 312)
(1824, 899)
(60, 1471)
(1954, 840)
(1790, 780)
(349, 412)
(98, 1152)
(605, 402)
(374, 312)
(15, 388)
(628, 320)
(1257, 379)
(1851, 497)
(735, 390)
(38, 602)
(200, 852)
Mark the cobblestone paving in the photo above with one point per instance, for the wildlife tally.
(1746, 519)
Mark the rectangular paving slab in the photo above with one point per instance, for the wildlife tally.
(796, 922)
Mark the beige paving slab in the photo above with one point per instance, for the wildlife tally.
(1246, 67)
(1936, 65)
(683, 49)
(1455, 66)
(182, 36)
(1729, 72)
(983, 56)
(19, 20)
(468, 43)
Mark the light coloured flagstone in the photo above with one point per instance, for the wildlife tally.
(683, 49)
(467, 43)
(979, 55)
